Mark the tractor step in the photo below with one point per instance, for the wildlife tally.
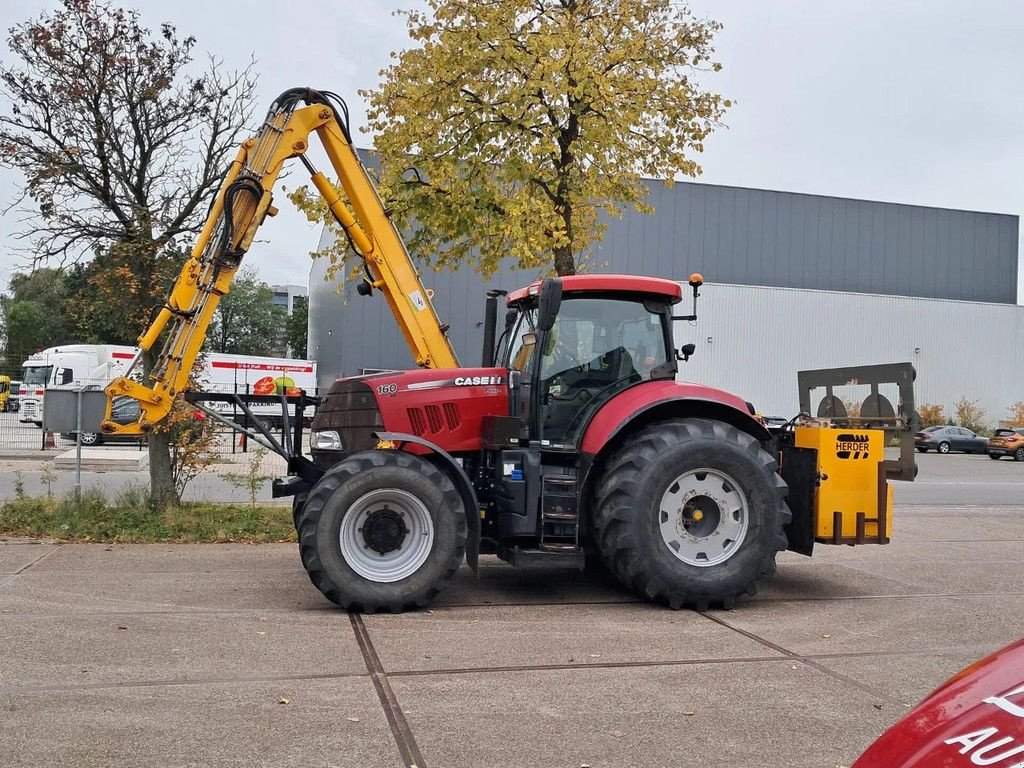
(559, 529)
(550, 556)
(560, 517)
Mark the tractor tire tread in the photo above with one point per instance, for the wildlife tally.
(307, 519)
(621, 484)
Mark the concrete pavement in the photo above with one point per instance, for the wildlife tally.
(225, 655)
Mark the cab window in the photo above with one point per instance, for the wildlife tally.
(597, 348)
(524, 338)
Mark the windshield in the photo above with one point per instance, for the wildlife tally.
(36, 375)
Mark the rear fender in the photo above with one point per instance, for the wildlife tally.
(462, 483)
(605, 435)
(666, 399)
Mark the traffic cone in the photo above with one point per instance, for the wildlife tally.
(50, 441)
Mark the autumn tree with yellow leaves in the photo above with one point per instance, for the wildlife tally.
(511, 125)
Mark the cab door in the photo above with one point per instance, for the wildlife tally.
(598, 346)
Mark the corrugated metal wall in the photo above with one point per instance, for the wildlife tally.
(732, 235)
(752, 341)
(761, 237)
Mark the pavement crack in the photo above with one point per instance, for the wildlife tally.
(407, 746)
(806, 660)
(14, 576)
(99, 686)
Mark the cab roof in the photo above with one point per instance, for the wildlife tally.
(658, 286)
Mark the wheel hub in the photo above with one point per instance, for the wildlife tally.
(700, 516)
(384, 530)
(386, 535)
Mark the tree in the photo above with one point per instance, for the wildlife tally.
(513, 124)
(297, 328)
(34, 315)
(247, 322)
(122, 140)
(931, 415)
(1016, 415)
(970, 415)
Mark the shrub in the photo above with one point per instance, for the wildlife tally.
(253, 479)
(970, 415)
(931, 415)
(1016, 417)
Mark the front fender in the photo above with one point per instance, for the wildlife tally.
(462, 484)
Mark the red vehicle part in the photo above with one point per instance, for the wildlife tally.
(615, 283)
(443, 405)
(672, 396)
(974, 718)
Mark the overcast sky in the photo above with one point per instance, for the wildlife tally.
(912, 102)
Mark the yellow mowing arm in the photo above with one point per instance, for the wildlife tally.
(241, 205)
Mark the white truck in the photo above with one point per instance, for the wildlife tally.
(69, 365)
(93, 366)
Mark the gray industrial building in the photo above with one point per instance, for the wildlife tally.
(875, 282)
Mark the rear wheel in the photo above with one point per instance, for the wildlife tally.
(691, 513)
(923, 450)
(91, 438)
(943, 447)
(382, 530)
(994, 456)
(1018, 455)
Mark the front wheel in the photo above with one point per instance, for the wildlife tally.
(943, 447)
(1018, 455)
(90, 438)
(994, 456)
(382, 531)
(691, 512)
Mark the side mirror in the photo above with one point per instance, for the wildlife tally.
(549, 302)
(686, 351)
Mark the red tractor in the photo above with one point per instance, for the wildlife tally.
(575, 437)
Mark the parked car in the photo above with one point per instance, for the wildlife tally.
(947, 438)
(124, 411)
(1007, 442)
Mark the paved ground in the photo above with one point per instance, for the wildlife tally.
(225, 655)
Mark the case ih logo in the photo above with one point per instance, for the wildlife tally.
(849, 446)
(476, 381)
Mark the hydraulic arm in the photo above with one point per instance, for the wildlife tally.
(242, 204)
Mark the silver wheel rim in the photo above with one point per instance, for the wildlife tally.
(411, 552)
(943, 448)
(703, 517)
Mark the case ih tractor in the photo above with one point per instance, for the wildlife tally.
(573, 440)
(580, 435)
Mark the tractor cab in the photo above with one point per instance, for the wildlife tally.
(571, 344)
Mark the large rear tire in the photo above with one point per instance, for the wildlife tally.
(382, 531)
(691, 513)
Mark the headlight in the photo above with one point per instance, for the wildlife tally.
(325, 440)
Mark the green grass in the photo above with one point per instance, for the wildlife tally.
(129, 518)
